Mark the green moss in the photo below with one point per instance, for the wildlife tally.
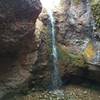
(69, 57)
(95, 2)
(96, 13)
(47, 38)
(77, 1)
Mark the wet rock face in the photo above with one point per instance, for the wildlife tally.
(70, 40)
(65, 32)
(17, 43)
(72, 23)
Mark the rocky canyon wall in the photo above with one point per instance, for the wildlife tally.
(71, 26)
(18, 49)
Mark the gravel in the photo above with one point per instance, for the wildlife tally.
(69, 92)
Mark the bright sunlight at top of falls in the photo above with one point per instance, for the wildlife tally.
(50, 4)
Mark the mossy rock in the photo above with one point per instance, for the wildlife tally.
(96, 12)
(72, 58)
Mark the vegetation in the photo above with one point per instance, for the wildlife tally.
(96, 13)
(67, 56)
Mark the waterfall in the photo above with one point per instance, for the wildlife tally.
(50, 5)
(86, 6)
(55, 74)
(96, 59)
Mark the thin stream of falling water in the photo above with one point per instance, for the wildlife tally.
(91, 26)
(49, 5)
(96, 59)
(55, 74)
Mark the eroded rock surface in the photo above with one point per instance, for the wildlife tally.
(17, 43)
(72, 30)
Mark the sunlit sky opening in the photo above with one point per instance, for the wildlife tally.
(50, 4)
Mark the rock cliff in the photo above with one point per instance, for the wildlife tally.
(72, 31)
(17, 43)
